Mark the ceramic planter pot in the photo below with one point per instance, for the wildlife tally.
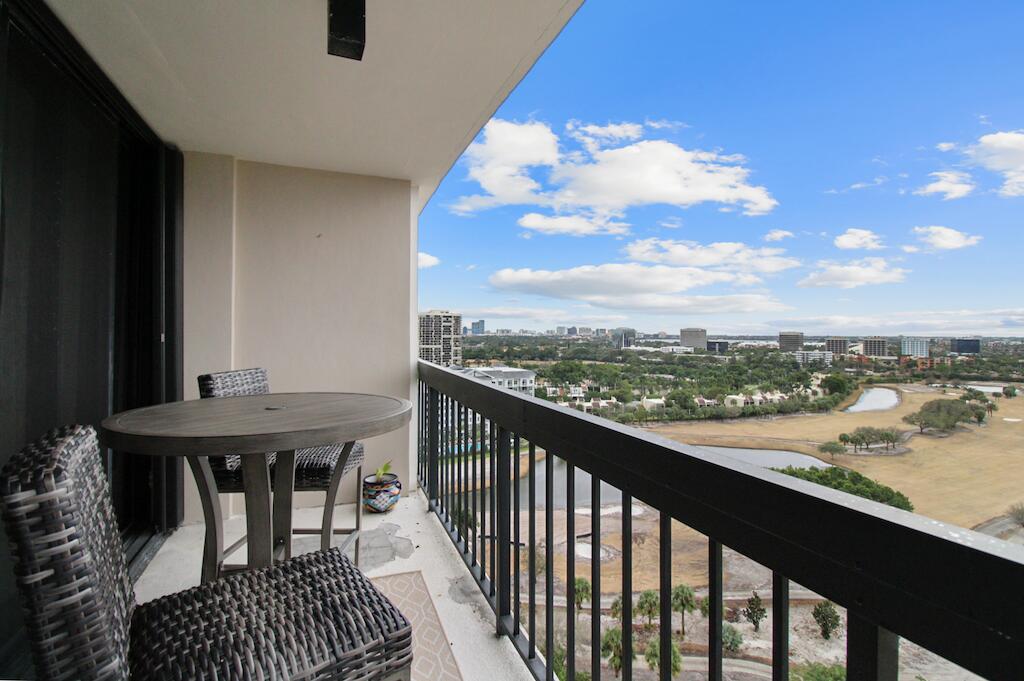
(379, 496)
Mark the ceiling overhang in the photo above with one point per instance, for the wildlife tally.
(253, 78)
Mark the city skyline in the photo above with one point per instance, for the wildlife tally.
(612, 189)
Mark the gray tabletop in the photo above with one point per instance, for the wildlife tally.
(253, 424)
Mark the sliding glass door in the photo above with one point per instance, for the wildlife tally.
(89, 248)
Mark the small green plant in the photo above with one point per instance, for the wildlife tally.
(611, 647)
(464, 519)
(755, 611)
(558, 666)
(827, 617)
(731, 638)
(816, 671)
(653, 657)
(384, 469)
(540, 560)
(705, 607)
(1016, 513)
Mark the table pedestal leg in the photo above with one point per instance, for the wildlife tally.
(284, 486)
(213, 545)
(327, 527)
(256, 477)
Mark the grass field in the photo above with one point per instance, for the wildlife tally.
(965, 478)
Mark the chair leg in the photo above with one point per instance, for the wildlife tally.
(327, 528)
(359, 510)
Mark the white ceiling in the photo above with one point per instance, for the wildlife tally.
(252, 78)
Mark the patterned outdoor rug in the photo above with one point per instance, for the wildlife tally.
(432, 657)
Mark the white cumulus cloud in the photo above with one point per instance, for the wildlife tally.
(522, 164)
(500, 164)
(945, 238)
(952, 184)
(1002, 152)
(862, 239)
(727, 255)
(593, 137)
(425, 260)
(927, 321)
(658, 172)
(946, 146)
(778, 235)
(853, 274)
(572, 225)
(633, 286)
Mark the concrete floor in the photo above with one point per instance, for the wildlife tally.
(406, 539)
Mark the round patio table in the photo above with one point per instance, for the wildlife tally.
(252, 426)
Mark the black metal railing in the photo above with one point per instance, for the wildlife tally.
(954, 592)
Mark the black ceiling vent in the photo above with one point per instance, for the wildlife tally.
(346, 28)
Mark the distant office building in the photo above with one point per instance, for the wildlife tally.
(600, 333)
(719, 347)
(560, 330)
(572, 331)
(440, 341)
(876, 346)
(585, 331)
(914, 347)
(694, 338)
(837, 346)
(519, 380)
(478, 328)
(965, 346)
(791, 341)
(813, 357)
(504, 332)
(624, 338)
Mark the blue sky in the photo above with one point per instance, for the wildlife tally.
(744, 167)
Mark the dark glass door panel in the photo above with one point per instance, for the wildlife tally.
(59, 230)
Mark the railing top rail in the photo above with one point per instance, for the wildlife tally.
(951, 590)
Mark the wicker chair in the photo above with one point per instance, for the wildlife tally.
(316, 469)
(312, 617)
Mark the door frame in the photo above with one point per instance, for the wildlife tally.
(34, 19)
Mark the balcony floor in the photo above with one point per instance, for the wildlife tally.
(408, 539)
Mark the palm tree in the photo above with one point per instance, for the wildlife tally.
(653, 657)
(683, 601)
(616, 608)
(582, 593)
(611, 647)
(648, 605)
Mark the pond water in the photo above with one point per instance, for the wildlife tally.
(765, 458)
(875, 399)
(770, 458)
(990, 389)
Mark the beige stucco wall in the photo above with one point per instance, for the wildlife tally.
(309, 274)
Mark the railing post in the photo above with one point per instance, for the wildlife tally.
(714, 610)
(501, 529)
(665, 589)
(872, 653)
(433, 442)
(780, 627)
